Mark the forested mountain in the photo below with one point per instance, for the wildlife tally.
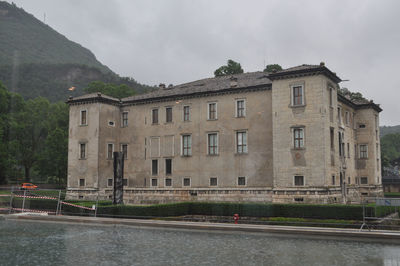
(389, 130)
(35, 60)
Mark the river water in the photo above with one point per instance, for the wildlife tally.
(40, 243)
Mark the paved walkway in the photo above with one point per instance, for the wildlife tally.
(342, 233)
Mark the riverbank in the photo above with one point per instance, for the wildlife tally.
(342, 233)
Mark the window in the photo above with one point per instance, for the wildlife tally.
(154, 167)
(348, 150)
(241, 181)
(339, 115)
(110, 151)
(168, 114)
(124, 182)
(299, 180)
(212, 111)
(124, 149)
(241, 142)
(332, 131)
(298, 138)
(363, 151)
(154, 182)
(364, 180)
(186, 145)
(349, 180)
(361, 126)
(212, 140)
(168, 166)
(330, 96)
(82, 151)
(124, 119)
(82, 182)
(213, 181)
(297, 95)
(333, 180)
(110, 182)
(240, 108)
(168, 182)
(341, 144)
(346, 117)
(83, 117)
(154, 116)
(186, 113)
(186, 182)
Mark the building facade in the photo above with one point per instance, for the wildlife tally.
(286, 136)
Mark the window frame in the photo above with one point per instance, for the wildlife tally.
(363, 154)
(165, 182)
(293, 95)
(82, 144)
(108, 151)
(300, 140)
(214, 148)
(168, 114)
(124, 152)
(209, 111)
(183, 181)
(216, 181)
(364, 178)
(166, 168)
(303, 180)
(240, 112)
(80, 182)
(186, 151)
(245, 181)
(151, 182)
(155, 116)
(186, 115)
(86, 117)
(124, 120)
(154, 172)
(244, 150)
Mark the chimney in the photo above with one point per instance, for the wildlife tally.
(233, 82)
(322, 64)
(161, 86)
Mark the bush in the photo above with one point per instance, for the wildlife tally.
(344, 212)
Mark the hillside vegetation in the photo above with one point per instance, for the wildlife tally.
(385, 130)
(35, 60)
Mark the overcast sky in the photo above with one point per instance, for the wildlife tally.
(177, 41)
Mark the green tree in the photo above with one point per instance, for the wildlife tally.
(31, 129)
(231, 68)
(116, 91)
(272, 68)
(390, 147)
(354, 96)
(10, 106)
(53, 160)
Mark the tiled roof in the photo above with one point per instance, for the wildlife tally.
(95, 95)
(216, 84)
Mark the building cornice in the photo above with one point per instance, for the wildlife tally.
(176, 97)
(320, 70)
(356, 106)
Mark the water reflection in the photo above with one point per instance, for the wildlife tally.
(31, 243)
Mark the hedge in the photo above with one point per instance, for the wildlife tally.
(343, 212)
(311, 211)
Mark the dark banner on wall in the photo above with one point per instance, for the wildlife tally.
(118, 178)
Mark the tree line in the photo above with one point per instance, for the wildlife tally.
(33, 138)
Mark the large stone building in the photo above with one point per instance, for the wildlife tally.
(286, 136)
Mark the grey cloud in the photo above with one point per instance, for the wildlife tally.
(178, 40)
